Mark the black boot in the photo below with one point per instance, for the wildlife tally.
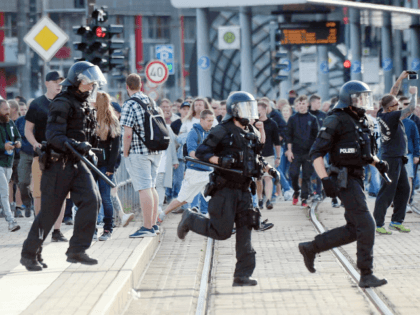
(82, 258)
(183, 228)
(31, 264)
(244, 282)
(308, 252)
(370, 281)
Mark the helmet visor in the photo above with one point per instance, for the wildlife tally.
(362, 100)
(248, 109)
(92, 75)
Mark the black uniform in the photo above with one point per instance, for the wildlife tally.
(231, 201)
(69, 117)
(340, 137)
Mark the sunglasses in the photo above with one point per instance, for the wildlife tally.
(406, 104)
(396, 104)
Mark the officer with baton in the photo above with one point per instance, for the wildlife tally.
(70, 122)
(349, 139)
(233, 144)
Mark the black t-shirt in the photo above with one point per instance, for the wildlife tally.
(271, 137)
(393, 137)
(38, 115)
(176, 126)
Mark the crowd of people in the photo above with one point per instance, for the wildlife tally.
(291, 126)
(41, 177)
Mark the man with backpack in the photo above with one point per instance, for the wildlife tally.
(145, 136)
(196, 175)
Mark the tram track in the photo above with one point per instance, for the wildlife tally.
(370, 293)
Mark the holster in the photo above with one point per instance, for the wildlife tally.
(250, 218)
(211, 187)
(342, 175)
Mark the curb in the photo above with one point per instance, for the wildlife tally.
(114, 300)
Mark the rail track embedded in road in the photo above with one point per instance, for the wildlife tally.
(369, 292)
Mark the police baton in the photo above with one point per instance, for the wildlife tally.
(190, 159)
(386, 178)
(90, 165)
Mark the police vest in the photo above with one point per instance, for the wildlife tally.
(81, 121)
(354, 142)
(243, 146)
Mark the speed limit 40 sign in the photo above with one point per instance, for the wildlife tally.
(157, 72)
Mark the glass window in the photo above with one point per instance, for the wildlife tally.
(10, 25)
(156, 27)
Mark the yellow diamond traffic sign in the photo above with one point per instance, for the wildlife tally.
(46, 38)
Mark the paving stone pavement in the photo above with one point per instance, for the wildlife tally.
(62, 288)
(396, 257)
(284, 284)
(172, 281)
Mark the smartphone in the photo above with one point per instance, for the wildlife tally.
(412, 75)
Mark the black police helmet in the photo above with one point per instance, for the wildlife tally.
(348, 89)
(73, 76)
(235, 98)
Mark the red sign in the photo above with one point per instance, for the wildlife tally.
(157, 72)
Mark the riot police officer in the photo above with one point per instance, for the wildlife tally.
(233, 144)
(70, 120)
(349, 139)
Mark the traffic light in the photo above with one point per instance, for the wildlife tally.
(276, 67)
(98, 45)
(347, 67)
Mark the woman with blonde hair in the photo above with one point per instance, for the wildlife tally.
(109, 134)
(193, 117)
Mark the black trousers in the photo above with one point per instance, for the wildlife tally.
(223, 207)
(398, 192)
(294, 172)
(360, 226)
(56, 182)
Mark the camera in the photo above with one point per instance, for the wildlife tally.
(412, 75)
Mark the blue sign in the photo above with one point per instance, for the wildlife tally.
(165, 53)
(289, 65)
(323, 67)
(356, 66)
(415, 64)
(387, 64)
(204, 62)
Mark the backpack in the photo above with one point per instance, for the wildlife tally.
(156, 135)
(185, 149)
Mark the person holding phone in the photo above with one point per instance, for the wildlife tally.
(9, 141)
(394, 152)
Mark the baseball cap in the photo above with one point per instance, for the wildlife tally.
(53, 75)
(116, 106)
(185, 104)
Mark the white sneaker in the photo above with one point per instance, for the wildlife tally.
(408, 209)
(127, 217)
(13, 226)
(288, 195)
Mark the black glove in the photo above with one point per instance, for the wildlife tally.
(329, 187)
(226, 162)
(81, 147)
(92, 158)
(275, 174)
(382, 166)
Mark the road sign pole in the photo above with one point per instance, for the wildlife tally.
(355, 35)
(387, 62)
